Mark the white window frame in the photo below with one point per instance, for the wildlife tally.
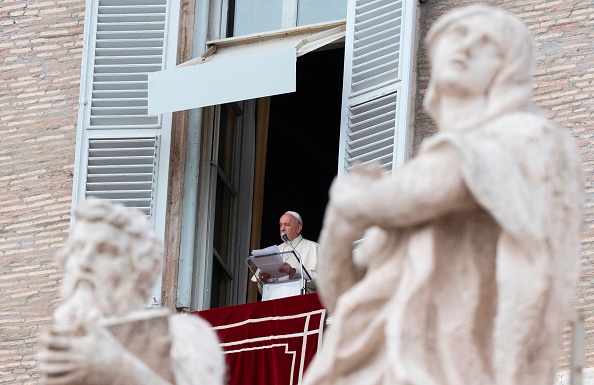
(200, 292)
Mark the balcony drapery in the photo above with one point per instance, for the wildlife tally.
(270, 342)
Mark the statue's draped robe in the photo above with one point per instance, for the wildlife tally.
(471, 297)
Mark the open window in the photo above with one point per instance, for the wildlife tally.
(375, 103)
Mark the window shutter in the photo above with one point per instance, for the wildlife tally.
(377, 81)
(122, 153)
(129, 43)
(123, 170)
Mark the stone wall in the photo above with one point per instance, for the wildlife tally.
(40, 58)
(564, 83)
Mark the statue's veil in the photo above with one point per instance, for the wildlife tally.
(511, 89)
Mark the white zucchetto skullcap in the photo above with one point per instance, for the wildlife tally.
(293, 213)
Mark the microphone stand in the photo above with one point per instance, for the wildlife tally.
(300, 260)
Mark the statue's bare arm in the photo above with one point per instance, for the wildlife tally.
(425, 188)
(94, 358)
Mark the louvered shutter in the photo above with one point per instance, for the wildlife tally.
(376, 91)
(122, 152)
(123, 170)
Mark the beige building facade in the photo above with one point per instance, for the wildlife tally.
(210, 185)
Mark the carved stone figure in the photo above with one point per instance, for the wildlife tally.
(470, 256)
(101, 333)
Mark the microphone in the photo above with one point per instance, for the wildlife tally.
(298, 257)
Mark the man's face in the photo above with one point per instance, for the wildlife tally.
(290, 225)
(96, 265)
(467, 57)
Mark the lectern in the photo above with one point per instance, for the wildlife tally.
(280, 285)
(281, 289)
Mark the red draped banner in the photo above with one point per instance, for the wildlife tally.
(270, 342)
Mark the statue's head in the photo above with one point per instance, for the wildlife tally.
(480, 51)
(111, 261)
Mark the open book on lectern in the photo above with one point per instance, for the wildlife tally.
(269, 260)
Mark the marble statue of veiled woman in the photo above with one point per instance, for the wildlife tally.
(471, 249)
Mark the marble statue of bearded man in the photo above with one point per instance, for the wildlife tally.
(101, 334)
(471, 249)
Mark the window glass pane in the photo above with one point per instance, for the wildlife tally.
(319, 11)
(222, 225)
(227, 140)
(252, 16)
(219, 286)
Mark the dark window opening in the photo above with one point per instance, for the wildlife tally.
(303, 139)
